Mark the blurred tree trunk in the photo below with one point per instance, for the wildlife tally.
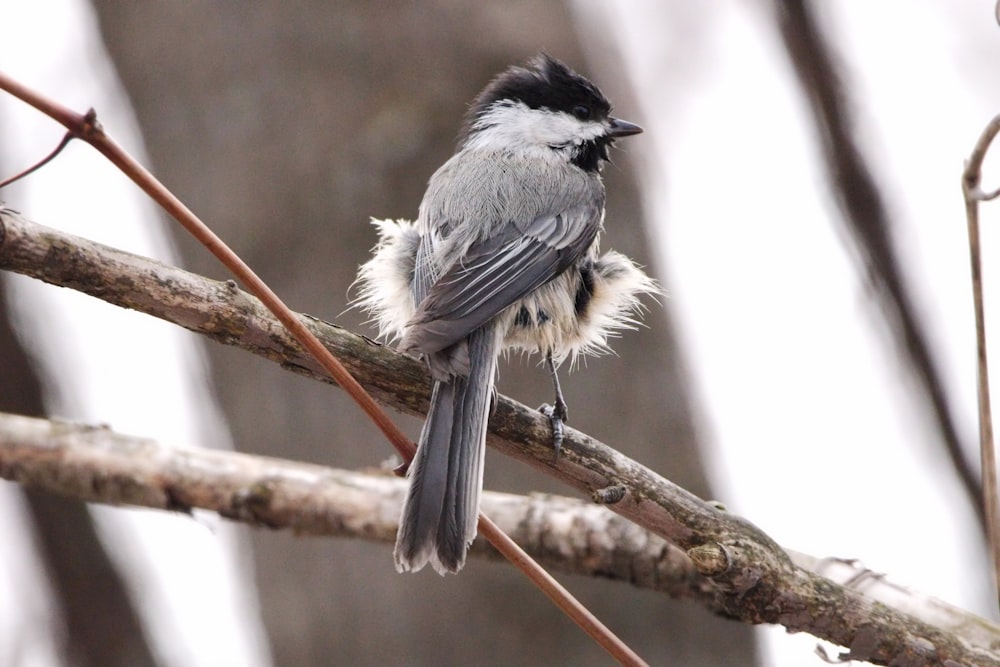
(286, 129)
(101, 626)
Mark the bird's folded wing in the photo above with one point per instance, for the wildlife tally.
(497, 272)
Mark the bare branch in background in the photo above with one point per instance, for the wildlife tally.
(974, 194)
(867, 221)
(753, 578)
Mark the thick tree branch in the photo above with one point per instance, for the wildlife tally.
(95, 464)
(754, 579)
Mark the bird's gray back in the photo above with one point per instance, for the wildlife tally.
(477, 195)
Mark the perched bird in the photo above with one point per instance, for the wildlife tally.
(503, 255)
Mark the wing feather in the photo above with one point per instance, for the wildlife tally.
(498, 272)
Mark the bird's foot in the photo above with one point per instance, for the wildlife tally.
(558, 415)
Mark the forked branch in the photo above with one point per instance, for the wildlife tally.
(753, 579)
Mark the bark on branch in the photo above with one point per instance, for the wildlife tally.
(751, 578)
(95, 464)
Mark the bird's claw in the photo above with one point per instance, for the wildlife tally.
(557, 414)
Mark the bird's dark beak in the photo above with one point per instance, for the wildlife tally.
(622, 128)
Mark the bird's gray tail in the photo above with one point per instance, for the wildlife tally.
(442, 506)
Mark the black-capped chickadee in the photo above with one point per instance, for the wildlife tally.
(504, 255)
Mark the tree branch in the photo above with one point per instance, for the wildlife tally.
(95, 464)
(753, 578)
(973, 193)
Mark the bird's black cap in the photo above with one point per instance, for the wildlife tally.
(543, 83)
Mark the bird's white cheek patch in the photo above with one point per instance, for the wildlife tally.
(506, 125)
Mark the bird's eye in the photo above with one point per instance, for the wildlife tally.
(581, 111)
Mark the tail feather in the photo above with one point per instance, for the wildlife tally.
(442, 506)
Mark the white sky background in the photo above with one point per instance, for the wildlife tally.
(814, 433)
(190, 579)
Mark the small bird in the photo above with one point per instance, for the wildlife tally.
(503, 255)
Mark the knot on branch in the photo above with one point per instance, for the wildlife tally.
(609, 495)
(737, 566)
(710, 559)
(253, 505)
(732, 567)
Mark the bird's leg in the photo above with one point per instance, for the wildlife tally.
(557, 413)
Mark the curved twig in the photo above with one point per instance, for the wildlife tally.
(41, 163)
(974, 194)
